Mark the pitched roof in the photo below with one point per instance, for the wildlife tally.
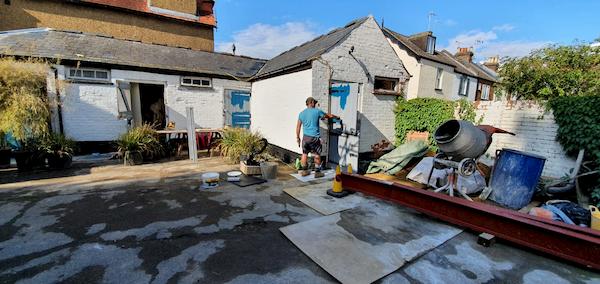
(67, 45)
(471, 69)
(308, 51)
(410, 45)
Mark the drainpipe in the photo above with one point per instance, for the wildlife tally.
(58, 101)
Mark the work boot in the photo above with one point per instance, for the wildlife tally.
(303, 171)
(318, 173)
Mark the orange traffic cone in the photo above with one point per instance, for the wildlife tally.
(337, 190)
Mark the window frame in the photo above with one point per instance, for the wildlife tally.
(380, 91)
(81, 70)
(430, 44)
(485, 96)
(196, 85)
(464, 79)
(439, 79)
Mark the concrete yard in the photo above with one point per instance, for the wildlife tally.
(152, 224)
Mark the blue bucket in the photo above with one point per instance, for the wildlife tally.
(514, 177)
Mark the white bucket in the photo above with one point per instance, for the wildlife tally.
(268, 170)
(210, 180)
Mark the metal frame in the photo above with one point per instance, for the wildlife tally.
(573, 243)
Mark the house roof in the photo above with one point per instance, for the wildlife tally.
(67, 45)
(410, 45)
(471, 69)
(308, 51)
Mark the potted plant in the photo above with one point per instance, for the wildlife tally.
(5, 152)
(59, 150)
(30, 155)
(139, 144)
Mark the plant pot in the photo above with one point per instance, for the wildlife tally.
(5, 158)
(132, 158)
(60, 160)
(29, 160)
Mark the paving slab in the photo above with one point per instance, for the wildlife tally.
(315, 196)
(327, 175)
(363, 244)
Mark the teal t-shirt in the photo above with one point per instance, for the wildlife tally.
(310, 121)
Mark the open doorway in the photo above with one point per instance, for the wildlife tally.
(148, 104)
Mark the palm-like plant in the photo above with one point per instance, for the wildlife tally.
(143, 140)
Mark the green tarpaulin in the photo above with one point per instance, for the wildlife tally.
(394, 161)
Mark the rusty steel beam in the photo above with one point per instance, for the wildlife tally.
(579, 245)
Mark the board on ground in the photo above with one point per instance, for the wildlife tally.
(327, 175)
(315, 196)
(363, 244)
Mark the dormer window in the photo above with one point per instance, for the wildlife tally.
(431, 44)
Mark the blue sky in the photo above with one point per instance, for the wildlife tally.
(264, 28)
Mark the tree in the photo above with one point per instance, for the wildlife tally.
(553, 71)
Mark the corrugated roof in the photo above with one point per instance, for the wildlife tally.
(308, 51)
(67, 45)
(405, 40)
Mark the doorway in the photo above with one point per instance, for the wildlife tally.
(148, 104)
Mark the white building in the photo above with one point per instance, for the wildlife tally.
(352, 71)
(436, 74)
(107, 85)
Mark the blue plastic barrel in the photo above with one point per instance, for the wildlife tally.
(514, 177)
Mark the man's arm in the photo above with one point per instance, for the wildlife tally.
(298, 126)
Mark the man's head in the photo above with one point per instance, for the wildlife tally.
(311, 102)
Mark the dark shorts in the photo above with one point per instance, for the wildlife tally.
(311, 145)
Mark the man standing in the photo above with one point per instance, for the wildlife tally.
(308, 119)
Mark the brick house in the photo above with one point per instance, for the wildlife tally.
(184, 23)
(352, 71)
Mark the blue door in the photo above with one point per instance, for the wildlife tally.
(237, 108)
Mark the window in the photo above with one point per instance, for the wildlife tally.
(87, 74)
(438, 79)
(463, 88)
(196, 82)
(431, 44)
(386, 85)
(485, 92)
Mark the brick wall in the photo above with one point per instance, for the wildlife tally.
(373, 50)
(535, 132)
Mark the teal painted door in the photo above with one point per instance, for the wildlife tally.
(237, 108)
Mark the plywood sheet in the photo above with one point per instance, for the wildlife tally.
(366, 243)
(315, 196)
(328, 175)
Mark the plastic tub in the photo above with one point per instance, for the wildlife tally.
(514, 177)
(268, 170)
(210, 180)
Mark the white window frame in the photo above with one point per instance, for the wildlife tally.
(463, 87)
(485, 92)
(431, 44)
(81, 70)
(192, 84)
(438, 78)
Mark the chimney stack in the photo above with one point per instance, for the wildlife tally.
(492, 63)
(464, 53)
(205, 7)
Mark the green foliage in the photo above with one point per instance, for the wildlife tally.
(553, 71)
(23, 108)
(58, 143)
(578, 120)
(427, 114)
(239, 142)
(142, 139)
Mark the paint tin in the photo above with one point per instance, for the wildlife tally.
(210, 180)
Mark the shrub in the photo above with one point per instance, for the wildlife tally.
(427, 114)
(142, 139)
(24, 110)
(239, 142)
(58, 143)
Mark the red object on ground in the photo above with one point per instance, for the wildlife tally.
(573, 243)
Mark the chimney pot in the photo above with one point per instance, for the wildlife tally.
(464, 53)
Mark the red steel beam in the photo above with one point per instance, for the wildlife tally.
(579, 245)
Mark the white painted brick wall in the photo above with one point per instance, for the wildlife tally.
(535, 132)
(90, 110)
(374, 51)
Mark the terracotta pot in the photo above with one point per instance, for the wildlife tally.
(60, 160)
(132, 158)
(206, 7)
(5, 158)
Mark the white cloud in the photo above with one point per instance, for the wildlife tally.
(487, 43)
(504, 28)
(450, 23)
(266, 41)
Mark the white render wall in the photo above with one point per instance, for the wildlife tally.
(275, 105)
(427, 82)
(535, 133)
(470, 92)
(90, 111)
(376, 112)
(412, 65)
